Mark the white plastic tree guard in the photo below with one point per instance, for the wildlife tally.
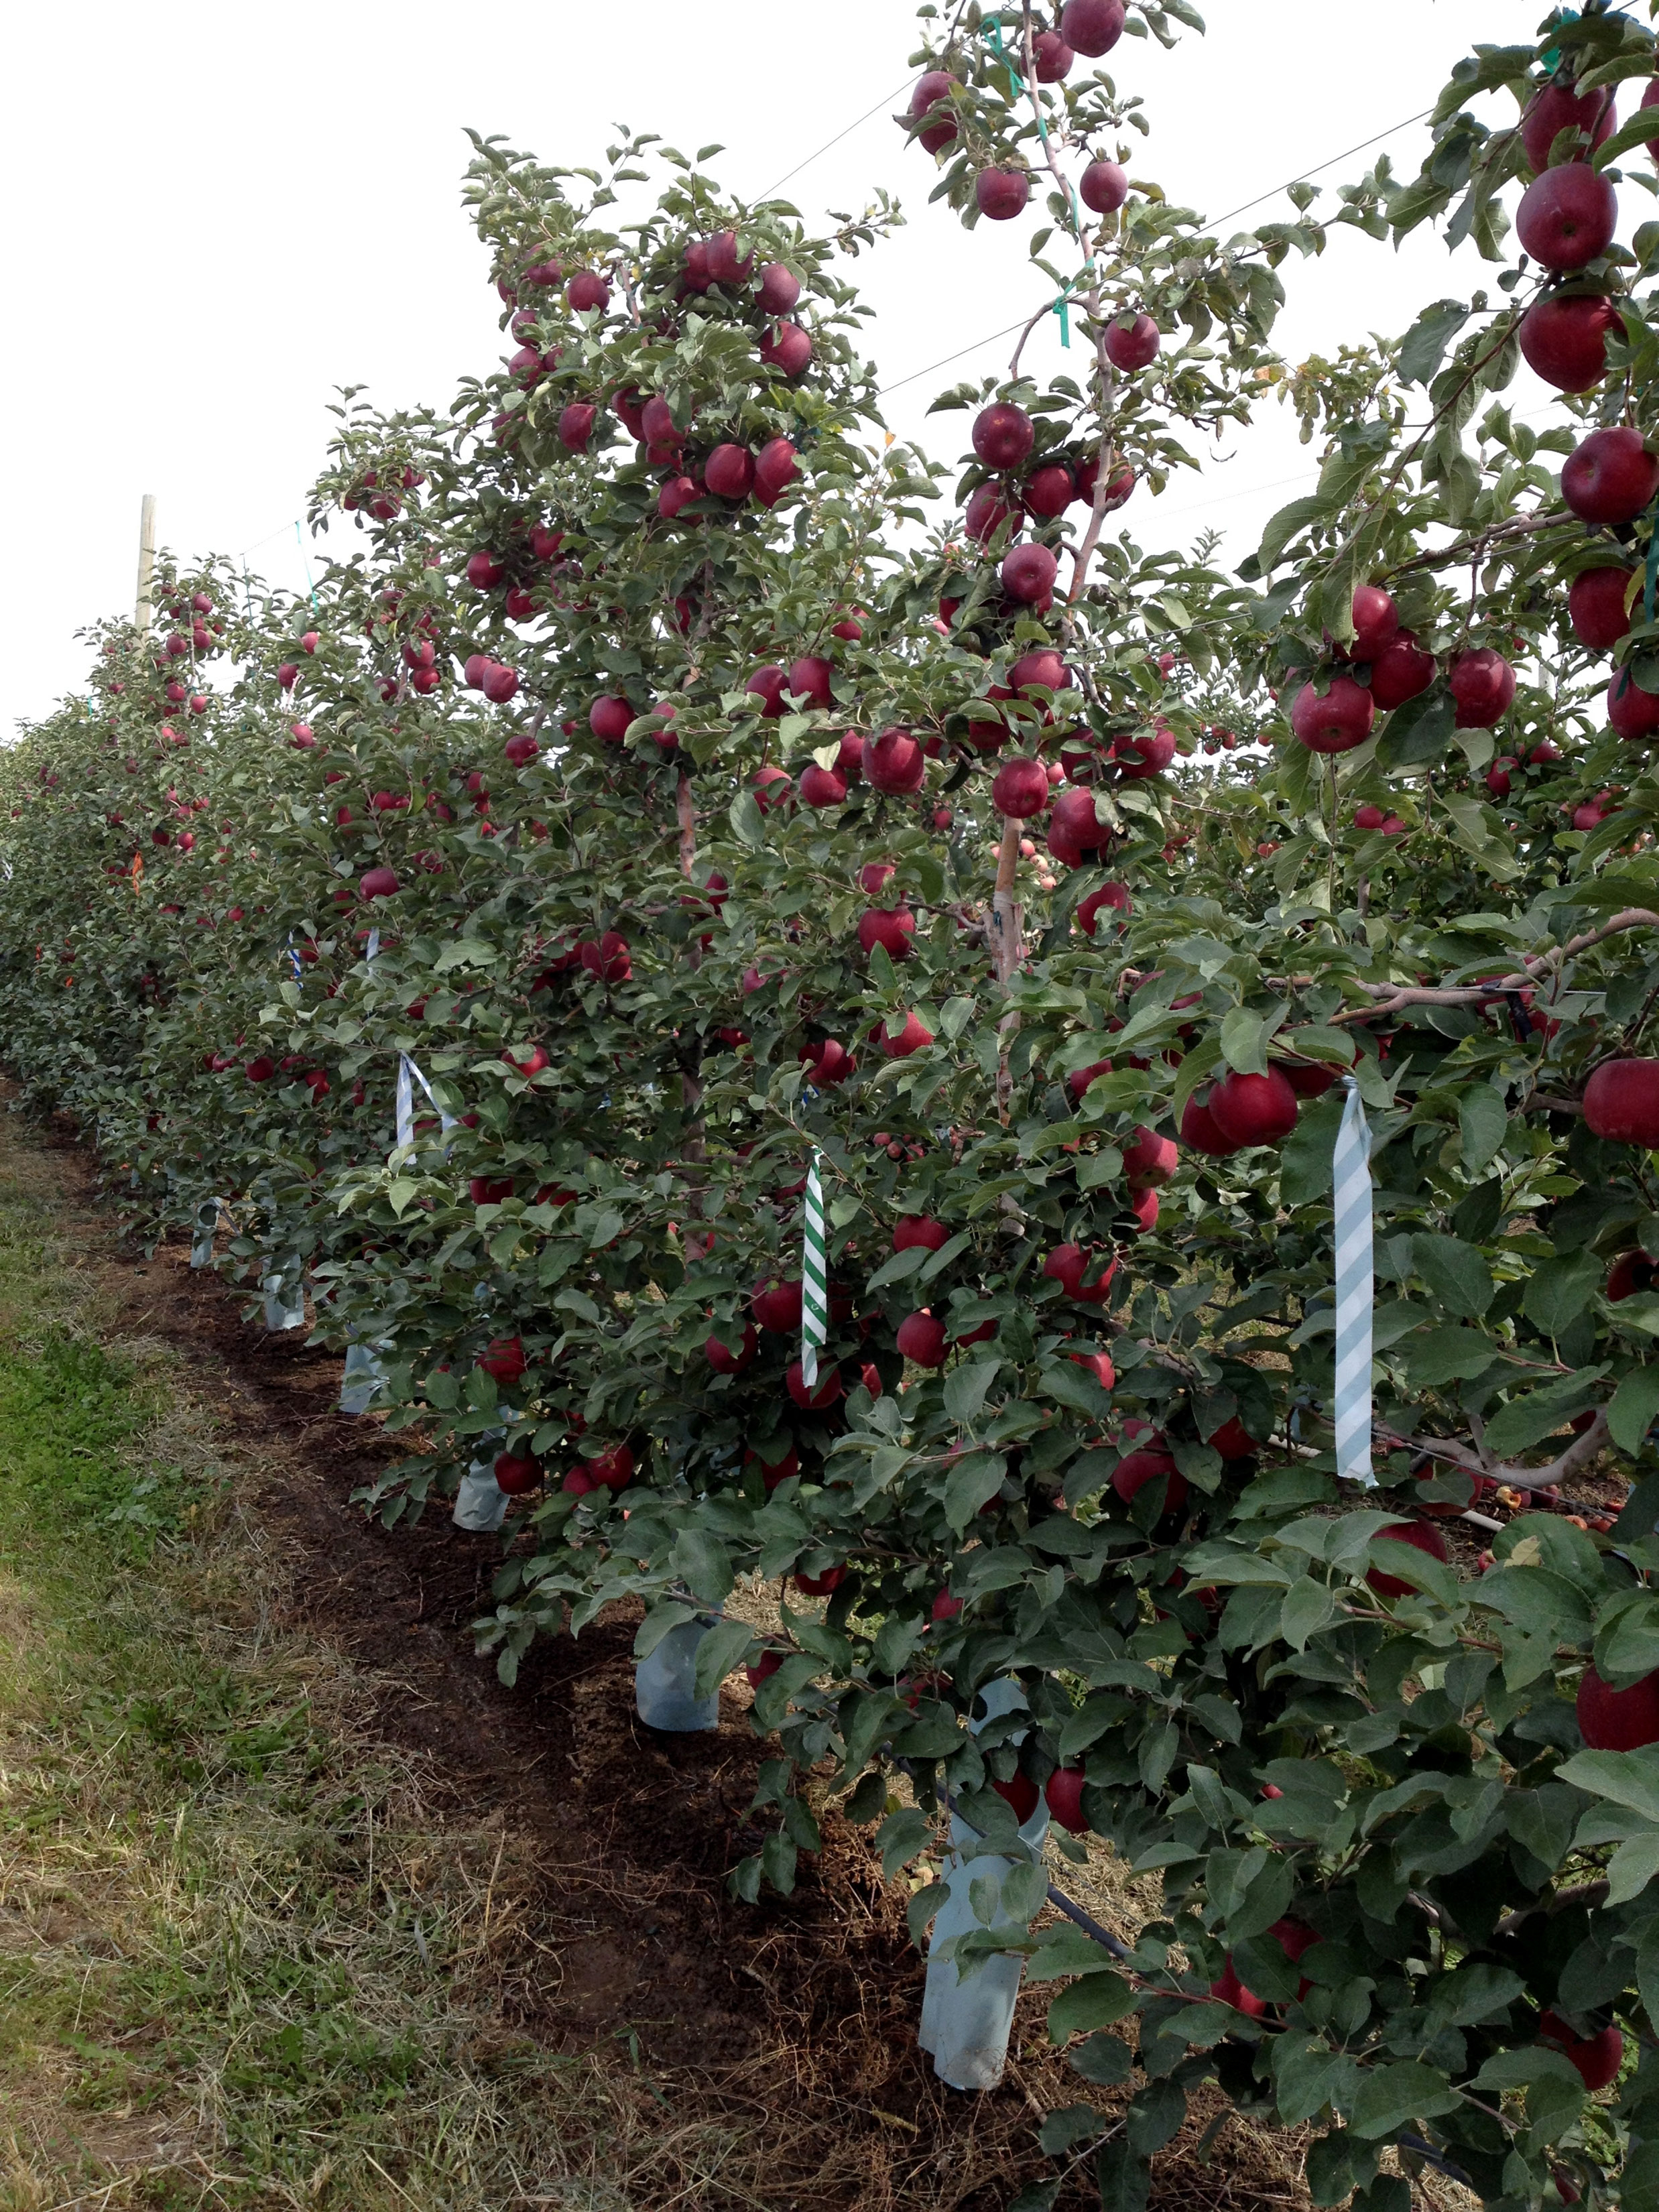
(481, 1502)
(965, 2024)
(665, 1686)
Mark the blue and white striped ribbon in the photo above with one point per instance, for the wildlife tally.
(814, 1279)
(408, 1076)
(373, 947)
(1351, 1178)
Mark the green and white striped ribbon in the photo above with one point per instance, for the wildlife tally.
(814, 1279)
(1351, 1177)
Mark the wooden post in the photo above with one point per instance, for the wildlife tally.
(146, 559)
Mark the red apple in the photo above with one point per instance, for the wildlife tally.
(729, 471)
(1424, 1537)
(503, 1360)
(1375, 621)
(1021, 1793)
(484, 571)
(779, 289)
(1597, 2058)
(891, 927)
(1200, 1133)
(1074, 819)
(1103, 186)
(1041, 669)
(1092, 27)
(1618, 1720)
(767, 684)
(500, 684)
(830, 1062)
(1564, 338)
(787, 349)
(377, 882)
(821, 787)
(1064, 1795)
(1051, 56)
(809, 680)
(1028, 573)
(774, 468)
(586, 291)
(1610, 476)
(724, 1360)
(1621, 1102)
(1068, 1264)
(575, 425)
(922, 1339)
(1557, 107)
(931, 97)
(1113, 896)
(1149, 1463)
(1482, 683)
(1633, 712)
(1143, 756)
(1020, 788)
(986, 513)
(1049, 491)
(911, 1038)
(1336, 721)
(517, 1471)
(776, 1306)
(894, 763)
(1567, 216)
(1001, 194)
(912, 1229)
(724, 266)
(1079, 1079)
(1400, 673)
(1254, 1109)
(1597, 608)
(1631, 1273)
(824, 1393)
(1003, 435)
(609, 958)
(610, 717)
(1149, 1160)
(1132, 342)
(1230, 1990)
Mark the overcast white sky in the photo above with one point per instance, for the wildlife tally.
(218, 217)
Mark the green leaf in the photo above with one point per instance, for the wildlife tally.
(1446, 1355)
(720, 1652)
(1391, 2096)
(965, 1390)
(1484, 1120)
(1418, 731)
(1308, 1607)
(1244, 1040)
(702, 1563)
(900, 1837)
(973, 1482)
(1456, 1273)
(1304, 1174)
(1559, 1290)
(1094, 2002)
(1424, 346)
(1525, 1421)
(748, 824)
(1634, 1408)
(1627, 1777)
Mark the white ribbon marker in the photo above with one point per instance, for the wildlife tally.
(408, 1076)
(814, 1280)
(1351, 1179)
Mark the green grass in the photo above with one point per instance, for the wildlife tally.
(240, 1963)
